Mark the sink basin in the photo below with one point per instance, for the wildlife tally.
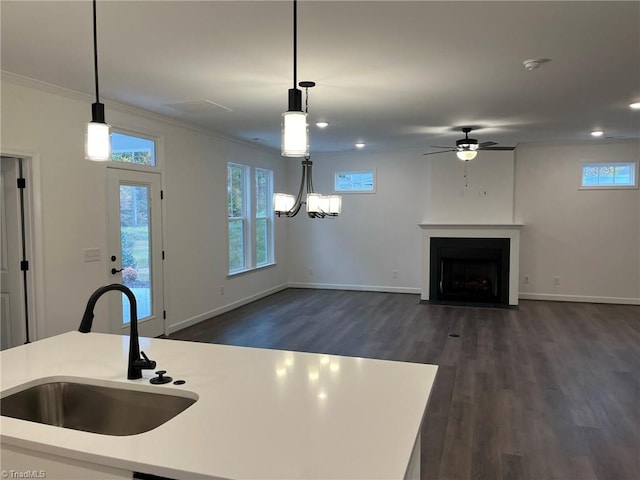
(109, 410)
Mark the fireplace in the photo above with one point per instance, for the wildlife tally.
(471, 266)
(469, 270)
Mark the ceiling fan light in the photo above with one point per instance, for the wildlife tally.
(295, 134)
(466, 155)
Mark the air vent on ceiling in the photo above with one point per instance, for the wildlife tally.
(199, 106)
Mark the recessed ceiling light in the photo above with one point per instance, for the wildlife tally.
(360, 145)
(322, 124)
(597, 133)
(635, 106)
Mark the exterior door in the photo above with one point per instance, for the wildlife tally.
(135, 249)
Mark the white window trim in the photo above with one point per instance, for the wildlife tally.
(250, 252)
(348, 192)
(158, 153)
(610, 186)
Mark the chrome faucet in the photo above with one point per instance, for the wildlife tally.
(136, 364)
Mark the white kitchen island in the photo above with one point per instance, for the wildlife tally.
(260, 414)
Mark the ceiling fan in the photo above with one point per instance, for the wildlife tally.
(467, 148)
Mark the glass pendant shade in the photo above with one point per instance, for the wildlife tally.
(295, 134)
(98, 142)
(466, 155)
(283, 202)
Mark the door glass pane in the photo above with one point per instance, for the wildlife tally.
(136, 248)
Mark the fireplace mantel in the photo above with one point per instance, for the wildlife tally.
(466, 230)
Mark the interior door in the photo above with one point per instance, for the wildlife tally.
(135, 249)
(12, 311)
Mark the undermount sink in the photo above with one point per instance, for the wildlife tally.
(109, 410)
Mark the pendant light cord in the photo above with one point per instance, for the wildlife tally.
(95, 50)
(295, 43)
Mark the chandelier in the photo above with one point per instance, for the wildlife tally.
(317, 205)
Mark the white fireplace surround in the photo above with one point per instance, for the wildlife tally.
(510, 231)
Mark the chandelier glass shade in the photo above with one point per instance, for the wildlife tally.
(98, 134)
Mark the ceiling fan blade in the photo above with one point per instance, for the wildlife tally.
(486, 144)
(442, 151)
(497, 148)
(439, 146)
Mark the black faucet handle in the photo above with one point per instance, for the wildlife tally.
(145, 364)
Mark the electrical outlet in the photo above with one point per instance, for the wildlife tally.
(556, 280)
(221, 290)
(526, 279)
(394, 274)
(311, 272)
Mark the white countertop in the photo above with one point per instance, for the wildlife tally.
(261, 414)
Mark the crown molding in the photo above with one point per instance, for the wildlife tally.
(24, 81)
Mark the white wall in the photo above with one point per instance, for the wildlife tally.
(375, 235)
(49, 124)
(588, 238)
(484, 196)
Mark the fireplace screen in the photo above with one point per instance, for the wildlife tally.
(467, 279)
(469, 270)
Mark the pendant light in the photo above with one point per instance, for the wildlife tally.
(295, 131)
(318, 206)
(98, 136)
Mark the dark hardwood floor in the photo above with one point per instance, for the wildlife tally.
(548, 391)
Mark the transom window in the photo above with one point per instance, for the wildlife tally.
(132, 149)
(355, 182)
(609, 175)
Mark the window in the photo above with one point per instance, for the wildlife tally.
(132, 149)
(355, 182)
(609, 175)
(250, 217)
(264, 217)
(237, 213)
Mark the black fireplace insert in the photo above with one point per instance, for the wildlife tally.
(469, 270)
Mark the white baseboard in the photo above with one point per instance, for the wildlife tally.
(578, 298)
(225, 308)
(360, 288)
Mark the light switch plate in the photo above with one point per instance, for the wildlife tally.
(92, 254)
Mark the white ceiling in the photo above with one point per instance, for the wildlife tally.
(396, 75)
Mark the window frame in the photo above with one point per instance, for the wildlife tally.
(609, 186)
(336, 174)
(243, 218)
(157, 154)
(268, 218)
(250, 219)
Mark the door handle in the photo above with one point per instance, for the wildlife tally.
(114, 271)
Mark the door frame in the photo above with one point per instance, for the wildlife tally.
(34, 244)
(158, 272)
